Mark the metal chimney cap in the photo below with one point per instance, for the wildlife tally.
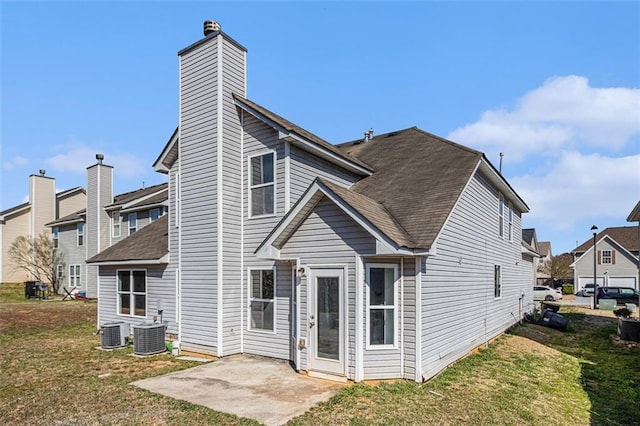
(211, 27)
(42, 172)
(99, 157)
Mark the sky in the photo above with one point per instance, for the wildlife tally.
(554, 86)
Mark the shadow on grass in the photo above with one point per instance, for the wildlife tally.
(610, 371)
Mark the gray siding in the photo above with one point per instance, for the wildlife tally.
(260, 139)
(198, 157)
(329, 237)
(231, 163)
(306, 167)
(97, 228)
(72, 255)
(459, 311)
(156, 291)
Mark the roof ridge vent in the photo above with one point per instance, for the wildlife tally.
(211, 27)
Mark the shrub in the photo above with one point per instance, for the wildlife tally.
(622, 312)
(567, 289)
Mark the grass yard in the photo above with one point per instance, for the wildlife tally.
(52, 373)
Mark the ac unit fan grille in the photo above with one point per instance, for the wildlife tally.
(148, 339)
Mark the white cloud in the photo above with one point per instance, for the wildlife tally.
(77, 157)
(15, 162)
(561, 114)
(581, 187)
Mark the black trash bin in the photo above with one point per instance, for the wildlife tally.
(30, 289)
(553, 320)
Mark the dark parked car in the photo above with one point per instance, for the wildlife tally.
(621, 294)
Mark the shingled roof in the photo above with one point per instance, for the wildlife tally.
(418, 178)
(70, 218)
(626, 236)
(149, 244)
(127, 197)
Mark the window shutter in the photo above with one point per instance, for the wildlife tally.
(599, 256)
(613, 257)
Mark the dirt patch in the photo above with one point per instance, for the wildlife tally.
(529, 340)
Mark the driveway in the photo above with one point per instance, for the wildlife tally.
(263, 389)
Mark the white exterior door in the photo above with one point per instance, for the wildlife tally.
(326, 322)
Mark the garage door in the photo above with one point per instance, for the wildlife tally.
(582, 281)
(622, 282)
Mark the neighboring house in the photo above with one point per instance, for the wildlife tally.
(616, 259)
(530, 247)
(388, 257)
(544, 249)
(29, 219)
(106, 221)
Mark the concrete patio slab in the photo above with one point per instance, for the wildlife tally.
(263, 389)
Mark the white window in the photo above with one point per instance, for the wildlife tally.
(606, 257)
(510, 222)
(261, 292)
(116, 223)
(261, 185)
(74, 275)
(501, 215)
(80, 233)
(133, 222)
(60, 272)
(132, 293)
(382, 299)
(497, 281)
(154, 214)
(56, 231)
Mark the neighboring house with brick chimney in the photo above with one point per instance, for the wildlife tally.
(105, 221)
(616, 259)
(385, 257)
(29, 218)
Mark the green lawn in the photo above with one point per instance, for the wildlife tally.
(52, 373)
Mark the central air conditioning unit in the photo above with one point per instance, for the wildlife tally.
(148, 338)
(114, 335)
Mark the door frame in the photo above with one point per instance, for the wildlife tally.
(315, 367)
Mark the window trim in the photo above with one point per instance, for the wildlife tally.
(497, 284)
(510, 222)
(135, 222)
(368, 307)
(60, 272)
(131, 293)
(55, 237)
(151, 219)
(73, 268)
(500, 215)
(262, 185)
(251, 299)
(602, 256)
(80, 234)
(116, 219)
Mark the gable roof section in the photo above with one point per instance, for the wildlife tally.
(625, 236)
(149, 245)
(304, 139)
(70, 192)
(69, 219)
(634, 216)
(528, 236)
(121, 200)
(14, 210)
(544, 247)
(419, 177)
(169, 154)
(373, 217)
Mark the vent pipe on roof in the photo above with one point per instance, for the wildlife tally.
(368, 135)
(99, 157)
(211, 27)
(500, 168)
